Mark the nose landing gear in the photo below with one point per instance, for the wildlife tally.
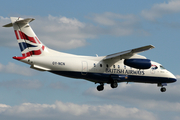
(163, 89)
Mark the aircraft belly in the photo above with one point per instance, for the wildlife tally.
(150, 79)
(94, 77)
(105, 78)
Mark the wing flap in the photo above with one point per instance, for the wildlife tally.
(129, 53)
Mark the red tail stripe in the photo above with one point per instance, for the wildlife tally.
(34, 52)
(21, 35)
(38, 52)
(16, 34)
(38, 40)
(26, 54)
(43, 47)
(25, 37)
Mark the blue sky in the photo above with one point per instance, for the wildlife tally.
(93, 27)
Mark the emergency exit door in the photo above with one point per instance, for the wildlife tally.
(84, 68)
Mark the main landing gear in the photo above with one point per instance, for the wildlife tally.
(101, 86)
(114, 85)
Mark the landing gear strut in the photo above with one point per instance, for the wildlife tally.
(100, 87)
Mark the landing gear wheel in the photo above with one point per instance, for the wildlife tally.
(100, 87)
(163, 89)
(114, 85)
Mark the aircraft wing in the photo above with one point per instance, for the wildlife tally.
(129, 53)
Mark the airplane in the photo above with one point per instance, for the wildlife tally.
(126, 66)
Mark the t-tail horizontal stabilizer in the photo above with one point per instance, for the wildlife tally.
(29, 43)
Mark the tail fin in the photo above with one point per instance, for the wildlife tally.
(28, 42)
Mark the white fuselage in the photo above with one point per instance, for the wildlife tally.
(70, 65)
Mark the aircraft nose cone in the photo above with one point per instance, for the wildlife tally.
(172, 78)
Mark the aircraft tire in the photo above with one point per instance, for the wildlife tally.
(163, 89)
(114, 85)
(100, 87)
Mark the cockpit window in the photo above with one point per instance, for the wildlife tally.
(162, 67)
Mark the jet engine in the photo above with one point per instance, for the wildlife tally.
(138, 63)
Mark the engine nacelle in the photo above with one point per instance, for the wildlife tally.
(138, 63)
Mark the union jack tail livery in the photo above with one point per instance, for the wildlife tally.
(28, 42)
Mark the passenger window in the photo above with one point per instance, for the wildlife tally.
(118, 66)
(100, 65)
(114, 66)
(107, 65)
(94, 65)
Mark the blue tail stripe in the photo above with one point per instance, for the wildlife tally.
(24, 45)
(29, 45)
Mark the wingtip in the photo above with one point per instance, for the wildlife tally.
(8, 25)
(152, 46)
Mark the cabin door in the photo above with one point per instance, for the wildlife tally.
(84, 68)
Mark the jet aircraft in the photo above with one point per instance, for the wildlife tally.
(126, 66)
